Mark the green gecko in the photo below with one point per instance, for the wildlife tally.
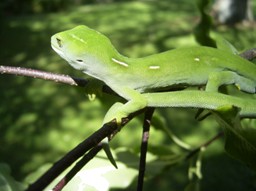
(138, 80)
(91, 52)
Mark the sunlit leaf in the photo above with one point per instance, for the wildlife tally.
(99, 175)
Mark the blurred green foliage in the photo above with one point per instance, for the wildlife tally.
(25, 7)
(41, 120)
(17, 7)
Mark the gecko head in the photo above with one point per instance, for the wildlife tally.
(82, 47)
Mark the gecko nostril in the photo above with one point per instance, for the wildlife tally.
(78, 60)
(59, 42)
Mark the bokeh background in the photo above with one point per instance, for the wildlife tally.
(42, 120)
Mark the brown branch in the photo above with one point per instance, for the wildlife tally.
(144, 147)
(60, 78)
(43, 75)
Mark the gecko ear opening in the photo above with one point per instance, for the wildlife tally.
(79, 60)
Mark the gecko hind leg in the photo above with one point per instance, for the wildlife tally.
(217, 79)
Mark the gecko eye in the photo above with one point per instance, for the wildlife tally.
(59, 42)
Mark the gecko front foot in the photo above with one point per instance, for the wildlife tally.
(115, 113)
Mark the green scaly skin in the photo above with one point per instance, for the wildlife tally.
(139, 79)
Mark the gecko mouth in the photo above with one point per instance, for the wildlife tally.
(57, 49)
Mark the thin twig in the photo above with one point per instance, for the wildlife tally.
(59, 78)
(144, 146)
(204, 145)
(43, 75)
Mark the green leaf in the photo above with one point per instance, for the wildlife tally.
(105, 174)
(202, 30)
(240, 141)
(7, 182)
